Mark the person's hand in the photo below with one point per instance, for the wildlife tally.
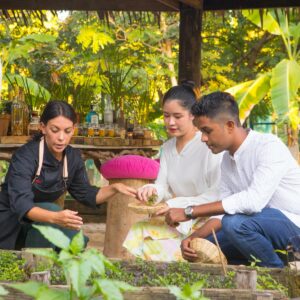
(175, 215)
(124, 189)
(163, 211)
(69, 219)
(144, 193)
(188, 253)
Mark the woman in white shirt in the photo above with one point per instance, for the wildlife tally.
(189, 175)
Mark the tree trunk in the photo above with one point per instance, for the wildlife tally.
(190, 44)
(293, 142)
(167, 49)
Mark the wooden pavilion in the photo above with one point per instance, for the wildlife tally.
(190, 18)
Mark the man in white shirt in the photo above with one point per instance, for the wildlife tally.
(260, 187)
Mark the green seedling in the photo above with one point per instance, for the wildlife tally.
(152, 199)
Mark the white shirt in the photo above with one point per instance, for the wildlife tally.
(191, 176)
(262, 173)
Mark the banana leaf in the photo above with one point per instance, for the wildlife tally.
(249, 93)
(285, 83)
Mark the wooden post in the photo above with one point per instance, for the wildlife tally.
(119, 220)
(246, 279)
(190, 44)
(262, 296)
(43, 276)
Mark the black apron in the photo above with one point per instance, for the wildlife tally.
(43, 193)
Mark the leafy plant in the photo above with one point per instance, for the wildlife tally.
(188, 292)
(264, 279)
(282, 83)
(78, 265)
(147, 273)
(11, 267)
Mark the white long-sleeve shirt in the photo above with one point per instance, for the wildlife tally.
(261, 173)
(190, 177)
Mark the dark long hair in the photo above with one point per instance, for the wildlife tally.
(183, 93)
(53, 109)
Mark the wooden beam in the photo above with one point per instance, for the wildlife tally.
(87, 5)
(198, 4)
(190, 44)
(143, 5)
(248, 4)
(173, 4)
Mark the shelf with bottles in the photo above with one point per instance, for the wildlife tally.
(112, 131)
(114, 141)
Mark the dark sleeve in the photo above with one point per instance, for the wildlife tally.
(79, 187)
(19, 182)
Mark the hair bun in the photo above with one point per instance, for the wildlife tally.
(188, 83)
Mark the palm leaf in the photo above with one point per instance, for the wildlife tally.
(268, 22)
(249, 93)
(285, 84)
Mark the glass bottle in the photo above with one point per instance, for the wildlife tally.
(108, 112)
(92, 117)
(19, 114)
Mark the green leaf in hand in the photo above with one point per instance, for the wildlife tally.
(152, 199)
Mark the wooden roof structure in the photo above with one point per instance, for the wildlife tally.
(144, 5)
(190, 18)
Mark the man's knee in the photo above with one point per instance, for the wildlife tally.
(230, 223)
(239, 224)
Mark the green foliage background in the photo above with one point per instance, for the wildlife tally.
(132, 57)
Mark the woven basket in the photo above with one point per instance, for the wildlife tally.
(207, 252)
(141, 208)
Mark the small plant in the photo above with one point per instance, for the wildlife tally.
(78, 265)
(264, 279)
(152, 199)
(11, 267)
(188, 292)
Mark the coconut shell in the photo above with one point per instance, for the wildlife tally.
(141, 208)
(207, 252)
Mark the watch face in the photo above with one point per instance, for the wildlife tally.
(188, 211)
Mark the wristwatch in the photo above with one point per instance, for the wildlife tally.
(188, 211)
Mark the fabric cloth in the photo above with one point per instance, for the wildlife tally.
(155, 240)
(260, 188)
(18, 195)
(193, 176)
(149, 240)
(130, 166)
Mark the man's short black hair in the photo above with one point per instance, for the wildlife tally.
(215, 104)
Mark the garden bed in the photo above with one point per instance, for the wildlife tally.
(152, 278)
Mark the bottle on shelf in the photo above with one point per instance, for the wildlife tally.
(92, 117)
(19, 114)
(108, 111)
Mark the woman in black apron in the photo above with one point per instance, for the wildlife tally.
(41, 172)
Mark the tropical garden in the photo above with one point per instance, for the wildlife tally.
(133, 57)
